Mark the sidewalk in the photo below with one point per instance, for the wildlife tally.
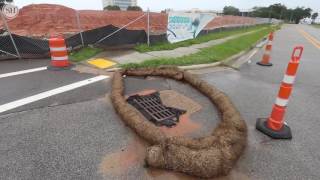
(132, 56)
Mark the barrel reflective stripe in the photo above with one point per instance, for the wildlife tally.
(63, 58)
(269, 43)
(53, 49)
(282, 102)
(267, 53)
(289, 79)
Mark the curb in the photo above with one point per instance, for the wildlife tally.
(200, 66)
(247, 54)
(227, 62)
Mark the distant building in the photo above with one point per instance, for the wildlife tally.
(123, 4)
(194, 10)
(246, 12)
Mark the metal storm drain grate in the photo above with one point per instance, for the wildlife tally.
(152, 108)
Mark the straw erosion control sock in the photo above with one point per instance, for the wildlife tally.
(205, 157)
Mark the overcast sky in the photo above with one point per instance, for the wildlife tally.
(157, 5)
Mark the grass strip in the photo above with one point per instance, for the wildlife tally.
(208, 55)
(200, 39)
(84, 54)
(316, 25)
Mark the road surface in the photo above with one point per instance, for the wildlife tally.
(76, 134)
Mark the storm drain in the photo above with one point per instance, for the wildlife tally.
(152, 108)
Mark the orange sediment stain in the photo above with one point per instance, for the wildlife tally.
(133, 155)
(118, 163)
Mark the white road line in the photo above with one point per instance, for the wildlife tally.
(22, 72)
(37, 97)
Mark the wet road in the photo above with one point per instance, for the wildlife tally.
(77, 135)
(254, 89)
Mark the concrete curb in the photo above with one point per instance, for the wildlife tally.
(227, 62)
(199, 66)
(236, 60)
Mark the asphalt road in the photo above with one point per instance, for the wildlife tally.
(77, 135)
(56, 137)
(254, 89)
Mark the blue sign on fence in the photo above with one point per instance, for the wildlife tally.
(184, 26)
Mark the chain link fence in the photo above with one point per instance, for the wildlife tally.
(27, 35)
(35, 45)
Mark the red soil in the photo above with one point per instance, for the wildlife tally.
(45, 19)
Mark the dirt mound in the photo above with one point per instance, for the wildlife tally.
(230, 21)
(44, 19)
(41, 20)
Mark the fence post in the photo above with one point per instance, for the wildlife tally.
(79, 26)
(7, 28)
(148, 19)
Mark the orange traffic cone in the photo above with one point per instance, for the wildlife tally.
(275, 126)
(59, 54)
(266, 57)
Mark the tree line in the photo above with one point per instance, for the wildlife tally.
(277, 11)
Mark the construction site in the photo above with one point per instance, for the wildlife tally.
(140, 94)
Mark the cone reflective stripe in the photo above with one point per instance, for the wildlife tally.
(59, 54)
(275, 126)
(266, 56)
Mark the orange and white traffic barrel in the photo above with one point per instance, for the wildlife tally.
(274, 126)
(267, 53)
(59, 54)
